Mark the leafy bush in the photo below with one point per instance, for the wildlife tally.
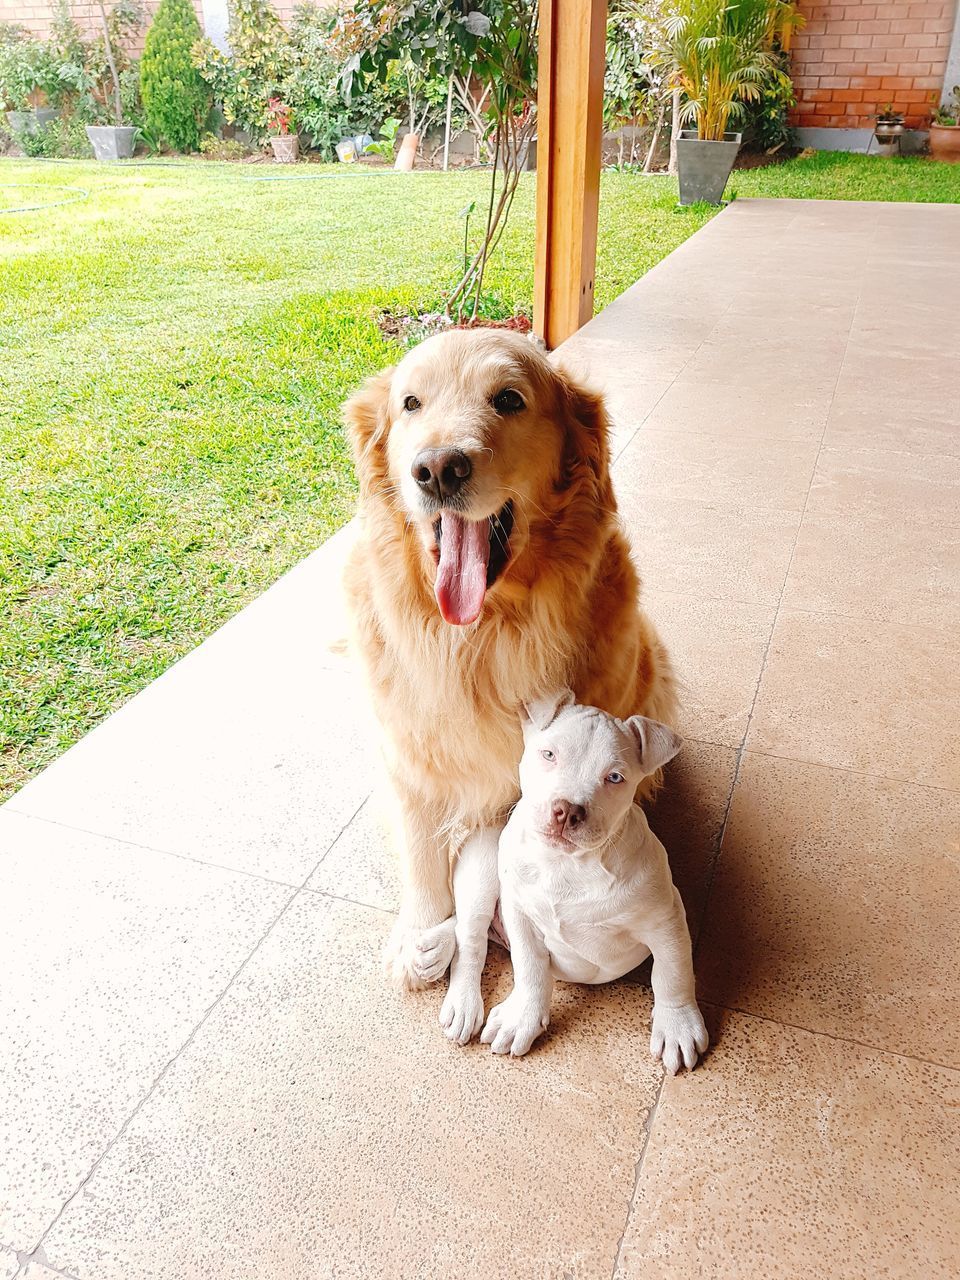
(257, 68)
(768, 113)
(215, 148)
(62, 139)
(28, 70)
(312, 82)
(176, 100)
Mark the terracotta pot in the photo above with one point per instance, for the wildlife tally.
(407, 153)
(286, 148)
(945, 142)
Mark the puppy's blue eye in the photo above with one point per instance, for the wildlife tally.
(615, 777)
(548, 754)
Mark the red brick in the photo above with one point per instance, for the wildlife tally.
(934, 83)
(858, 41)
(874, 28)
(861, 12)
(805, 108)
(883, 69)
(843, 28)
(902, 26)
(921, 40)
(888, 42)
(834, 82)
(928, 10)
(848, 95)
(896, 82)
(865, 82)
(913, 97)
(849, 69)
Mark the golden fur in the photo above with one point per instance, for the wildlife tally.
(564, 613)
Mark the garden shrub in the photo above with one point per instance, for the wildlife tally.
(176, 100)
(62, 139)
(256, 69)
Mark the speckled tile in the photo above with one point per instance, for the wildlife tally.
(717, 649)
(875, 567)
(711, 550)
(259, 775)
(319, 1125)
(887, 484)
(796, 1157)
(894, 425)
(363, 864)
(707, 468)
(859, 694)
(794, 412)
(112, 955)
(834, 907)
(37, 1271)
(9, 1263)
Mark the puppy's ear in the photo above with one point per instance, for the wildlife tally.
(586, 451)
(541, 712)
(365, 415)
(656, 742)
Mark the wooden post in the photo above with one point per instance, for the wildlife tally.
(569, 140)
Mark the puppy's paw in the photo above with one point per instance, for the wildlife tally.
(679, 1036)
(433, 950)
(461, 1014)
(513, 1026)
(412, 966)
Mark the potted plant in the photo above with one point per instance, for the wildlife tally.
(28, 78)
(285, 143)
(111, 141)
(888, 129)
(945, 129)
(717, 53)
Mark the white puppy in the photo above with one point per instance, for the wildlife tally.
(584, 886)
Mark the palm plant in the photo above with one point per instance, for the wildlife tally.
(718, 52)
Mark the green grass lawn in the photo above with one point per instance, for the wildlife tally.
(174, 350)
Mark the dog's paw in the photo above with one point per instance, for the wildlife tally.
(513, 1026)
(434, 950)
(413, 958)
(679, 1036)
(461, 1014)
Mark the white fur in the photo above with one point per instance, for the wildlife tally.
(586, 902)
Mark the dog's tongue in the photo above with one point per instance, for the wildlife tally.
(462, 573)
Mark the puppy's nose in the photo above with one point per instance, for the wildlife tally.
(441, 472)
(568, 816)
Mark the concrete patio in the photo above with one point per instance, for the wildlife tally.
(203, 1075)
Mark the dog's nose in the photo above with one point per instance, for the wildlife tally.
(568, 816)
(441, 472)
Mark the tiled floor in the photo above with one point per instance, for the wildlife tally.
(202, 1076)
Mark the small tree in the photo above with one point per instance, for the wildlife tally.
(175, 98)
(257, 68)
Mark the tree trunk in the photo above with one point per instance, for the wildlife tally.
(674, 131)
(648, 163)
(446, 127)
(108, 48)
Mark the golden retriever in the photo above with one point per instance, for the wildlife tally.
(490, 569)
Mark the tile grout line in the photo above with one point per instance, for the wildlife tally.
(832, 1035)
(742, 749)
(195, 1031)
(648, 1124)
(147, 848)
(652, 1113)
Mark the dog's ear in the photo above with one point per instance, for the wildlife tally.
(656, 742)
(541, 712)
(365, 415)
(586, 450)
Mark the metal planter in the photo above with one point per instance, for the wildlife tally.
(705, 166)
(29, 122)
(112, 142)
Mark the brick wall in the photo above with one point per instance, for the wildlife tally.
(852, 59)
(37, 16)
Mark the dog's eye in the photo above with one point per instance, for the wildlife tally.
(548, 754)
(615, 777)
(508, 401)
(411, 404)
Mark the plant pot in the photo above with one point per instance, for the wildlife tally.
(346, 150)
(407, 153)
(30, 121)
(945, 142)
(705, 166)
(286, 148)
(888, 131)
(112, 141)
